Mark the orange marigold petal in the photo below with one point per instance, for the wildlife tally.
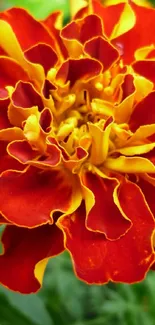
(29, 198)
(45, 120)
(22, 151)
(28, 30)
(98, 260)
(137, 36)
(145, 68)
(140, 114)
(81, 69)
(26, 96)
(101, 50)
(149, 192)
(6, 161)
(104, 216)
(3, 221)
(42, 54)
(11, 72)
(82, 30)
(23, 249)
(4, 121)
(53, 23)
(107, 15)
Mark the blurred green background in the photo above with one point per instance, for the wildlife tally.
(64, 300)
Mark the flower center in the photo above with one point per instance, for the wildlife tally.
(82, 121)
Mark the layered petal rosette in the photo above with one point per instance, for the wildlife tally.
(77, 143)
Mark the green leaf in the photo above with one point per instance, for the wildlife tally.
(31, 306)
(10, 316)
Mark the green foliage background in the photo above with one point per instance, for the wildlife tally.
(64, 300)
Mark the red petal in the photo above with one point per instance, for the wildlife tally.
(151, 54)
(24, 248)
(49, 161)
(74, 162)
(3, 220)
(7, 162)
(26, 96)
(149, 193)
(82, 30)
(4, 103)
(98, 260)
(110, 15)
(11, 72)
(127, 86)
(145, 68)
(3, 94)
(100, 49)
(138, 37)
(2, 52)
(45, 120)
(47, 87)
(50, 23)
(140, 114)
(27, 30)
(74, 70)
(28, 199)
(22, 151)
(4, 121)
(151, 154)
(42, 54)
(105, 216)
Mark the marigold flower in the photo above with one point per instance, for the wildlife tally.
(77, 143)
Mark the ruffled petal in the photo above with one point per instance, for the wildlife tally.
(6, 161)
(107, 15)
(81, 69)
(100, 142)
(26, 96)
(10, 134)
(141, 134)
(145, 68)
(137, 36)
(25, 100)
(26, 252)
(134, 91)
(3, 221)
(136, 150)
(140, 114)
(27, 30)
(149, 192)
(42, 54)
(81, 30)
(53, 23)
(98, 260)
(11, 72)
(131, 165)
(101, 50)
(4, 121)
(30, 198)
(23, 152)
(104, 214)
